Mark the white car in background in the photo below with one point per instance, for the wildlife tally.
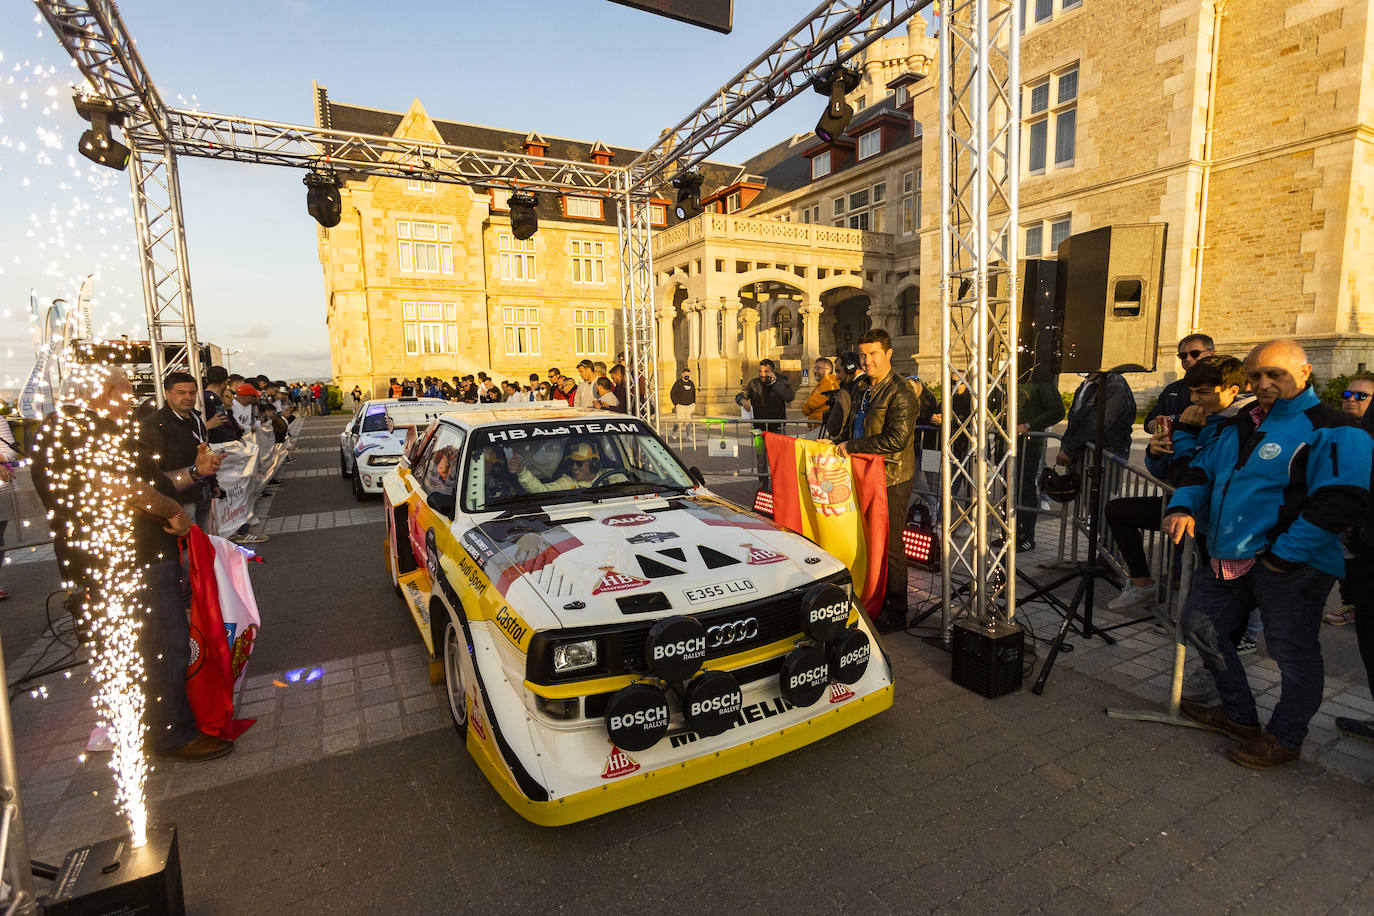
(370, 445)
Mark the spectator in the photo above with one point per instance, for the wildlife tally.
(245, 408)
(1271, 492)
(554, 377)
(1359, 583)
(218, 421)
(1355, 402)
(617, 377)
(544, 392)
(357, 395)
(1082, 425)
(1214, 387)
(585, 393)
(766, 398)
(567, 390)
(605, 395)
(175, 435)
(852, 381)
(926, 484)
(487, 392)
(599, 368)
(817, 403)
(885, 424)
(1175, 398)
(683, 394)
(1038, 407)
(9, 463)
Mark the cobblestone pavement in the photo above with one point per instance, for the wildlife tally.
(352, 793)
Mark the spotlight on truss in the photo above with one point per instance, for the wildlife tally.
(322, 198)
(524, 222)
(838, 83)
(98, 144)
(688, 186)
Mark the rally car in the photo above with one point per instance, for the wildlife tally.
(609, 630)
(370, 445)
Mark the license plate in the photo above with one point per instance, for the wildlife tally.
(719, 590)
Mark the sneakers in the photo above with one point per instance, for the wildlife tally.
(1341, 616)
(1132, 597)
(1262, 753)
(1214, 718)
(249, 538)
(1247, 646)
(889, 621)
(1356, 728)
(1200, 686)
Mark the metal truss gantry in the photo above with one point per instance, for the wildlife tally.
(978, 136)
(979, 175)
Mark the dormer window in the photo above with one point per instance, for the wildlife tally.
(820, 165)
(870, 144)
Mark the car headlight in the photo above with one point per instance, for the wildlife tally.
(383, 460)
(574, 656)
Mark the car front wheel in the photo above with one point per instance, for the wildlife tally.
(457, 658)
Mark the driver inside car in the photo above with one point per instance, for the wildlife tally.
(580, 466)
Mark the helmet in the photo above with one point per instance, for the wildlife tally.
(1061, 488)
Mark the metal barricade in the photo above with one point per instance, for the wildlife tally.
(27, 519)
(730, 446)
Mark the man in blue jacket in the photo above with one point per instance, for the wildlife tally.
(1272, 493)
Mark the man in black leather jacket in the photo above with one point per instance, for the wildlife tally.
(884, 424)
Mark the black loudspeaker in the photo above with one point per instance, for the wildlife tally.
(1040, 323)
(986, 656)
(110, 878)
(1109, 281)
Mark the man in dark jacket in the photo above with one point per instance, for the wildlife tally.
(1177, 395)
(1038, 407)
(1082, 426)
(885, 424)
(175, 435)
(1359, 584)
(1272, 491)
(684, 398)
(767, 397)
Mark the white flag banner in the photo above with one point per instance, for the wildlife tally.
(236, 477)
(237, 605)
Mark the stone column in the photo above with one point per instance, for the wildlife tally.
(693, 308)
(731, 333)
(710, 334)
(811, 333)
(666, 314)
(749, 318)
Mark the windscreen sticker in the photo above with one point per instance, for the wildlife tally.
(527, 431)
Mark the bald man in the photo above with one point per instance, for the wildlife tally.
(1269, 497)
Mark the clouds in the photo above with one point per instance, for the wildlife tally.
(257, 331)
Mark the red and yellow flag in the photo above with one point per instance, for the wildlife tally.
(838, 502)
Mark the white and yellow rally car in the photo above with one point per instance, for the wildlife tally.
(609, 630)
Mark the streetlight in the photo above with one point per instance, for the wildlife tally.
(228, 355)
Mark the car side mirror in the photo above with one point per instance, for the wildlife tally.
(694, 472)
(443, 503)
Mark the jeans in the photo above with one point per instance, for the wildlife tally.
(1290, 606)
(895, 596)
(1359, 584)
(1028, 462)
(167, 632)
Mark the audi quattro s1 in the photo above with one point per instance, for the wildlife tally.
(609, 630)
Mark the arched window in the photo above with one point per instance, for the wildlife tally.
(910, 306)
(782, 326)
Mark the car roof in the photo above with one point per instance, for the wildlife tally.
(474, 416)
(386, 402)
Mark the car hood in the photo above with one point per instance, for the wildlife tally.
(383, 442)
(617, 561)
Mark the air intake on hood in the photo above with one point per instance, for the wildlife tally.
(715, 559)
(643, 604)
(656, 570)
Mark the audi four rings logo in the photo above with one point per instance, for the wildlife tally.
(726, 634)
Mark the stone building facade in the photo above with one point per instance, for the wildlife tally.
(1247, 127)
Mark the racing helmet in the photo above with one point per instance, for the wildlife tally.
(1061, 488)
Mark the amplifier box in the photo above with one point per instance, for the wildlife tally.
(987, 656)
(111, 878)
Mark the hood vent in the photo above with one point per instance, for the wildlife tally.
(675, 553)
(714, 559)
(644, 604)
(656, 570)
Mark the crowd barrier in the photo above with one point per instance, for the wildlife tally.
(248, 465)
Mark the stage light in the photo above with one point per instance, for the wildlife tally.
(98, 144)
(322, 198)
(524, 222)
(838, 83)
(688, 186)
(921, 538)
(763, 503)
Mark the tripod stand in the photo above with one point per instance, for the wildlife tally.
(1088, 572)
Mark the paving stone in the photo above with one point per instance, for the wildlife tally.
(337, 742)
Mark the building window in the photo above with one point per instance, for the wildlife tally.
(424, 248)
(782, 326)
(820, 164)
(806, 214)
(522, 330)
(903, 95)
(658, 215)
(415, 184)
(910, 308)
(1042, 11)
(870, 144)
(1052, 123)
(858, 200)
(880, 192)
(589, 332)
(837, 206)
(860, 103)
(589, 261)
(816, 213)
(732, 202)
(1057, 228)
(430, 327)
(517, 258)
(859, 221)
(582, 207)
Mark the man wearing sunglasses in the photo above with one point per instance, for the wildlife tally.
(1355, 398)
(1176, 396)
(1358, 586)
(1355, 402)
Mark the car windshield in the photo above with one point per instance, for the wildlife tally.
(417, 414)
(560, 460)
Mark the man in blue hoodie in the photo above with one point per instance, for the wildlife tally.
(1272, 493)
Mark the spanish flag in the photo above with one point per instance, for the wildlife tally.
(838, 502)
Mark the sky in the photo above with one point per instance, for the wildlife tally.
(587, 69)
